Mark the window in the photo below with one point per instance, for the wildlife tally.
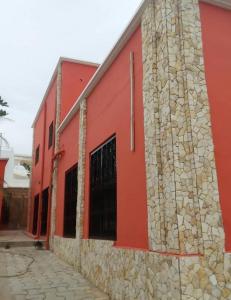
(103, 192)
(45, 198)
(50, 138)
(70, 202)
(37, 155)
(35, 215)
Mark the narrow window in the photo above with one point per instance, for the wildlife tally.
(103, 192)
(50, 138)
(45, 197)
(37, 155)
(35, 215)
(70, 202)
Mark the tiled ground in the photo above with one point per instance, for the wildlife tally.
(27, 273)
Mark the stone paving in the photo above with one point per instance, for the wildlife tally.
(27, 273)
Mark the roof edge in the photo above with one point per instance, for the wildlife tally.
(121, 42)
(60, 61)
(226, 4)
(127, 33)
(78, 61)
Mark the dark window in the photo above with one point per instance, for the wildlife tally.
(45, 196)
(51, 130)
(103, 192)
(37, 155)
(35, 217)
(70, 202)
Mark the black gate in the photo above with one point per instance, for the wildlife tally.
(45, 196)
(35, 217)
(103, 192)
(70, 202)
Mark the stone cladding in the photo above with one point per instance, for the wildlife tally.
(55, 172)
(186, 258)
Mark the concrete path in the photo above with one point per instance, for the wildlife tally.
(15, 238)
(27, 273)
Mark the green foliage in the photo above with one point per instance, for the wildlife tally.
(3, 103)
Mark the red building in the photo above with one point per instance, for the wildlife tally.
(130, 180)
(69, 79)
(3, 162)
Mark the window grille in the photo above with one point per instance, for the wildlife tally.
(37, 155)
(70, 202)
(35, 216)
(103, 192)
(51, 131)
(45, 196)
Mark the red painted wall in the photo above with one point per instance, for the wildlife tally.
(74, 79)
(3, 163)
(44, 119)
(69, 143)
(50, 117)
(38, 140)
(216, 34)
(75, 76)
(108, 113)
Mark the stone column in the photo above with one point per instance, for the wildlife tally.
(183, 202)
(81, 177)
(55, 173)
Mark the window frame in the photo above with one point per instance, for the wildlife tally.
(103, 235)
(51, 135)
(68, 171)
(37, 154)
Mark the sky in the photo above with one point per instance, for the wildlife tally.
(34, 34)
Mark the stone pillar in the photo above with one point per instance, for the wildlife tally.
(81, 177)
(183, 202)
(55, 174)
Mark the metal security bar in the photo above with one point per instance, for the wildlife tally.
(71, 188)
(45, 195)
(103, 192)
(37, 155)
(35, 217)
(51, 131)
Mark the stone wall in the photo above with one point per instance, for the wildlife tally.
(55, 166)
(134, 274)
(186, 258)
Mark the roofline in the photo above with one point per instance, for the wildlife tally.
(132, 26)
(127, 33)
(221, 3)
(78, 61)
(23, 155)
(60, 61)
(130, 29)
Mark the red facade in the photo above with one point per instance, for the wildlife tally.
(74, 77)
(108, 114)
(3, 163)
(216, 28)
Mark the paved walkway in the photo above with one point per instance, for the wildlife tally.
(15, 238)
(27, 273)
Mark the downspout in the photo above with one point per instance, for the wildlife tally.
(42, 173)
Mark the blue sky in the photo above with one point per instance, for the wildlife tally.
(34, 34)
